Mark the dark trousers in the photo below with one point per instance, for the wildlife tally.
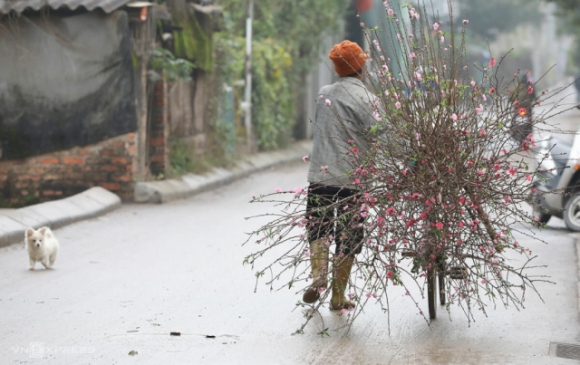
(343, 224)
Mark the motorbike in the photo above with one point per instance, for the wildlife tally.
(557, 184)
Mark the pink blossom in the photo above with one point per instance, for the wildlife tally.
(320, 96)
(496, 167)
(512, 171)
(530, 90)
(390, 12)
(356, 181)
(298, 190)
(442, 39)
(472, 83)
(508, 199)
(439, 225)
(386, 92)
(483, 97)
(482, 131)
(277, 190)
(418, 76)
(460, 224)
(454, 116)
(479, 110)
(305, 158)
(377, 116)
(412, 55)
(480, 172)
(355, 150)
(327, 102)
(324, 169)
(492, 62)
(465, 21)
(345, 207)
(528, 177)
(389, 274)
(492, 90)
(398, 105)
(435, 26)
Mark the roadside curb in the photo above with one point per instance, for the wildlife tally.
(164, 191)
(55, 214)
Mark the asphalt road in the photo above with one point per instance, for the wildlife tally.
(124, 281)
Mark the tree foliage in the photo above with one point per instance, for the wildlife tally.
(286, 34)
(569, 12)
(489, 18)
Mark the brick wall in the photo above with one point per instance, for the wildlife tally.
(109, 164)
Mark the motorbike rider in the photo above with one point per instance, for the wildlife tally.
(523, 99)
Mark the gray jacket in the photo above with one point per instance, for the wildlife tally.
(349, 117)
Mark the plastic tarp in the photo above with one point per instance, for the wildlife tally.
(65, 81)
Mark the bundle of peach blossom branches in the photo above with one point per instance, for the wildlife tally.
(442, 177)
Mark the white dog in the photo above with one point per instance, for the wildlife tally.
(42, 246)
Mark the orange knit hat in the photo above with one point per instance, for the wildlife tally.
(347, 58)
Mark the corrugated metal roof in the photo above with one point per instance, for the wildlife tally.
(19, 6)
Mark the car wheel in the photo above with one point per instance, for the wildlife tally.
(540, 216)
(572, 213)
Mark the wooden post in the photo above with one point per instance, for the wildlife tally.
(248, 71)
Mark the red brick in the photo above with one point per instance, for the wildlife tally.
(157, 141)
(48, 192)
(107, 152)
(109, 168)
(110, 186)
(119, 160)
(74, 161)
(119, 144)
(36, 171)
(158, 158)
(131, 136)
(49, 161)
(84, 152)
(125, 178)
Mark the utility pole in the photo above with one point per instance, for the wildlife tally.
(247, 104)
